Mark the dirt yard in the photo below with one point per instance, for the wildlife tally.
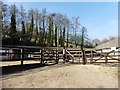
(72, 76)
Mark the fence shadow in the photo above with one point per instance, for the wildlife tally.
(19, 68)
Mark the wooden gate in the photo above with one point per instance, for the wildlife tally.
(94, 56)
(49, 54)
(74, 54)
(105, 57)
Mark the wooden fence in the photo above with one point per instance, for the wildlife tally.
(95, 56)
(44, 54)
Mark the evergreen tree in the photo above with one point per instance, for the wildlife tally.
(63, 41)
(67, 37)
(31, 24)
(82, 44)
(50, 34)
(23, 33)
(56, 35)
(61, 36)
(13, 31)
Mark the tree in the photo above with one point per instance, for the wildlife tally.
(58, 18)
(104, 40)
(74, 25)
(23, 33)
(96, 42)
(111, 37)
(55, 19)
(36, 29)
(1, 20)
(40, 30)
(62, 36)
(3, 10)
(65, 30)
(4, 22)
(63, 45)
(82, 44)
(43, 24)
(31, 28)
(67, 34)
(50, 33)
(22, 20)
(13, 31)
(56, 31)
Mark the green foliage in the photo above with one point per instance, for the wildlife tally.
(82, 44)
(13, 25)
(63, 45)
(56, 31)
(13, 32)
(50, 33)
(38, 28)
(60, 39)
(23, 36)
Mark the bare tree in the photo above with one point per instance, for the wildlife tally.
(75, 25)
(31, 28)
(104, 40)
(96, 42)
(4, 19)
(111, 37)
(36, 24)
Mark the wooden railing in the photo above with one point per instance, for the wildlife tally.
(13, 53)
(95, 56)
(54, 53)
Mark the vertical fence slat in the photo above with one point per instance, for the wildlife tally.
(91, 57)
(106, 60)
(41, 56)
(22, 55)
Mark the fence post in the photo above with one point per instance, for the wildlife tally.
(79, 57)
(84, 57)
(58, 54)
(101, 52)
(41, 56)
(22, 56)
(64, 55)
(114, 53)
(106, 60)
(91, 57)
(57, 57)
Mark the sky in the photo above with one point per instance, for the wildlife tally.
(99, 18)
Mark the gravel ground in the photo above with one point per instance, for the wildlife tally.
(64, 76)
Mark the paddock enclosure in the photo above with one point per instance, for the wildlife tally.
(55, 54)
(43, 67)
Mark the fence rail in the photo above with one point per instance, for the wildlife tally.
(22, 53)
(95, 56)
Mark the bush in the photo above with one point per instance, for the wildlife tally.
(71, 46)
